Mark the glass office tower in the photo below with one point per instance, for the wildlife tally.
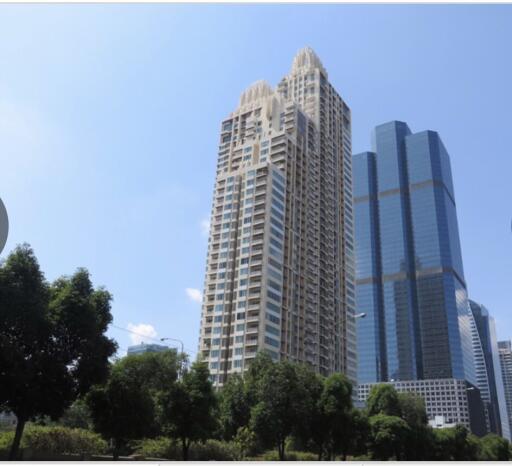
(505, 350)
(410, 280)
(495, 398)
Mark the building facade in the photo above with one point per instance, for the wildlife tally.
(146, 348)
(453, 401)
(280, 265)
(409, 274)
(505, 352)
(497, 408)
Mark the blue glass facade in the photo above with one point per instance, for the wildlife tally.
(410, 280)
(486, 327)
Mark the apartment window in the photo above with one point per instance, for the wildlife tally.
(272, 342)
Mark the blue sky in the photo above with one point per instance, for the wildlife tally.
(109, 120)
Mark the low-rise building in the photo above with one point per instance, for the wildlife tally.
(457, 401)
(146, 348)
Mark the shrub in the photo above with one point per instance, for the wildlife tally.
(56, 440)
(160, 447)
(214, 450)
(170, 449)
(272, 455)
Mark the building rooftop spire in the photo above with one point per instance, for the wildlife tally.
(256, 91)
(306, 58)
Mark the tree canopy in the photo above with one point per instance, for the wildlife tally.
(53, 346)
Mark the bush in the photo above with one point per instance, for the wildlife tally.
(272, 455)
(170, 449)
(215, 450)
(161, 447)
(56, 440)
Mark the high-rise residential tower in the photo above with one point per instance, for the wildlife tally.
(505, 351)
(280, 272)
(409, 275)
(495, 397)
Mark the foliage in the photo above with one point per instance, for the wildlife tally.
(383, 399)
(246, 442)
(52, 342)
(234, 408)
(160, 447)
(121, 410)
(170, 449)
(273, 455)
(420, 442)
(494, 448)
(311, 430)
(455, 444)
(187, 409)
(412, 409)
(388, 437)
(336, 414)
(57, 440)
(77, 416)
(280, 406)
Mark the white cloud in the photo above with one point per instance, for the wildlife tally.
(205, 227)
(140, 332)
(194, 294)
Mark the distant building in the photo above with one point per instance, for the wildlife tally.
(497, 408)
(409, 274)
(439, 422)
(7, 419)
(146, 348)
(455, 401)
(505, 352)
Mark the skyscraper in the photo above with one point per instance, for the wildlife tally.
(495, 399)
(409, 275)
(505, 351)
(280, 272)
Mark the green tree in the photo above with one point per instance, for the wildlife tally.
(125, 408)
(188, 408)
(383, 399)
(253, 378)
(234, 407)
(360, 433)
(280, 406)
(388, 437)
(420, 444)
(311, 430)
(52, 342)
(455, 444)
(494, 448)
(336, 409)
(77, 415)
(121, 410)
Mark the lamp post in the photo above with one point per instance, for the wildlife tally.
(180, 369)
(361, 315)
(174, 339)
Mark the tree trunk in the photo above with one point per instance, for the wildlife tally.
(115, 450)
(184, 449)
(20, 425)
(280, 450)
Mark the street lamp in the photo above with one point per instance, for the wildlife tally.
(361, 315)
(182, 361)
(174, 339)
